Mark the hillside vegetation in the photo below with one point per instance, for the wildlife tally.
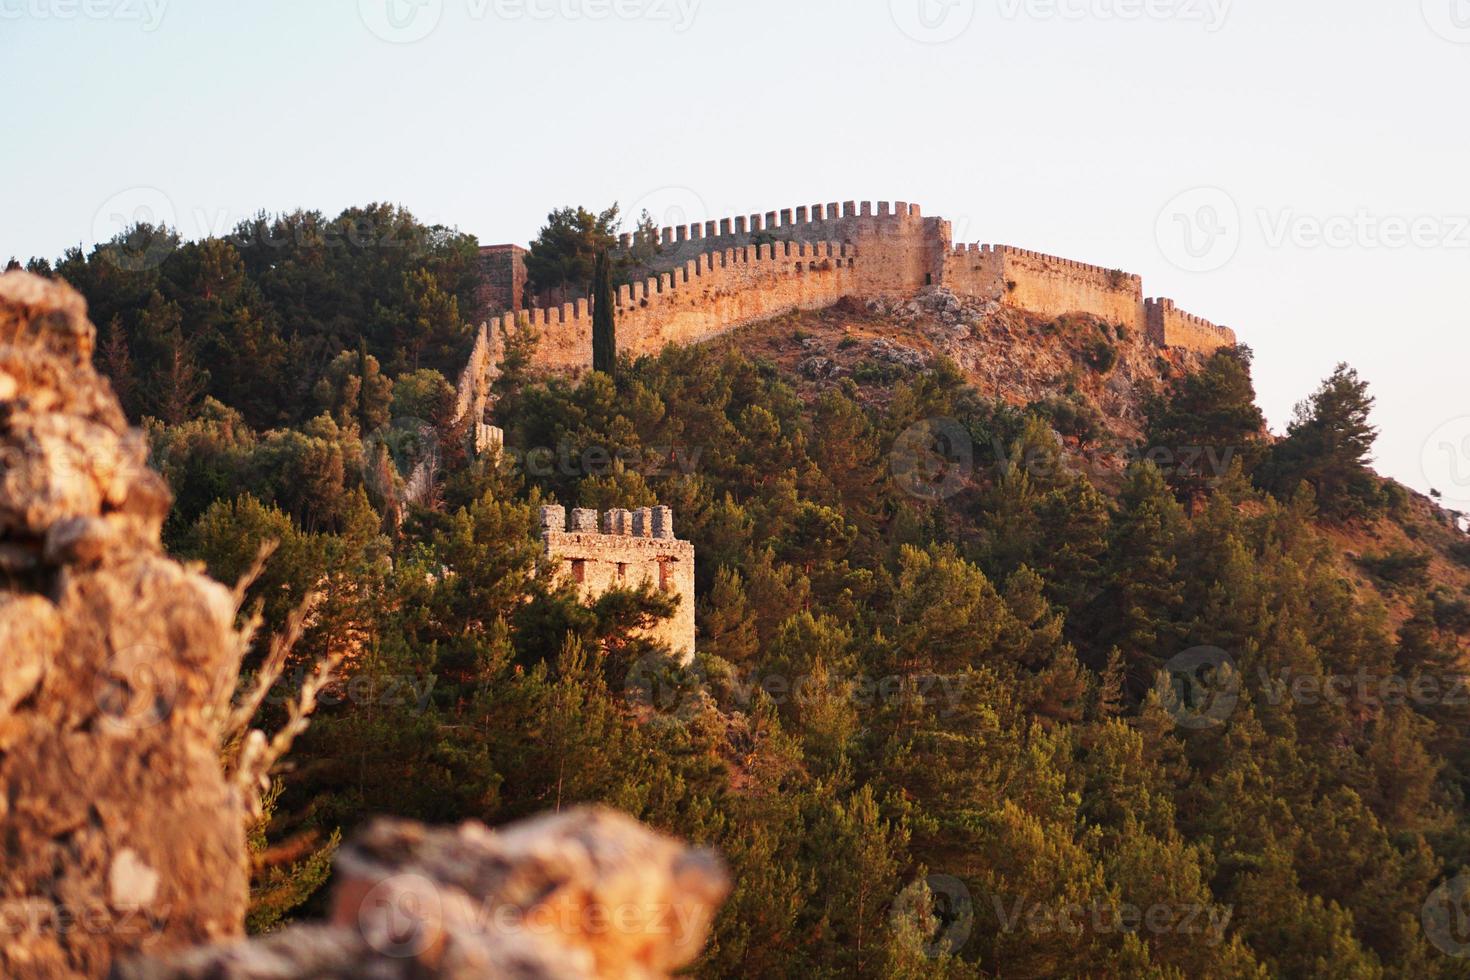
(1024, 650)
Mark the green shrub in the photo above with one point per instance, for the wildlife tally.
(1401, 568)
(873, 372)
(1102, 357)
(1451, 613)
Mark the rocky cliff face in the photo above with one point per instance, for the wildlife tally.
(120, 832)
(124, 846)
(1007, 353)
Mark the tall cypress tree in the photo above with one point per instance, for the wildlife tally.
(604, 327)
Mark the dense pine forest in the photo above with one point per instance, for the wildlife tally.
(966, 702)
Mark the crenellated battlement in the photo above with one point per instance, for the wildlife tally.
(714, 276)
(1071, 264)
(788, 221)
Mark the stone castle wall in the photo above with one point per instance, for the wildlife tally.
(705, 296)
(1169, 326)
(713, 277)
(1052, 286)
(627, 549)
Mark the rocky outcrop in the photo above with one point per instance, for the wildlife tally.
(588, 893)
(120, 831)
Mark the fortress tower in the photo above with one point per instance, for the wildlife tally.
(503, 268)
(632, 547)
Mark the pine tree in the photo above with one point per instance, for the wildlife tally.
(1209, 421)
(726, 628)
(1328, 445)
(117, 364)
(283, 876)
(604, 318)
(180, 385)
(1143, 591)
(562, 257)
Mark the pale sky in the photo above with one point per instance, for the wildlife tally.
(1294, 169)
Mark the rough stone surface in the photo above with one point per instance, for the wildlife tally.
(583, 894)
(119, 830)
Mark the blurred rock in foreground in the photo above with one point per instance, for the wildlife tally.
(588, 893)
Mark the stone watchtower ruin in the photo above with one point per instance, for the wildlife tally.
(630, 548)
